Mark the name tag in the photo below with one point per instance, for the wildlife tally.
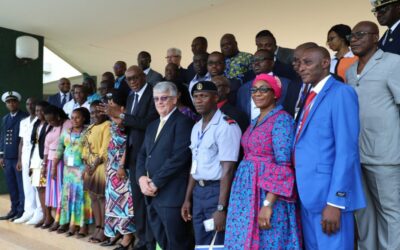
(70, 161)
(194, 167)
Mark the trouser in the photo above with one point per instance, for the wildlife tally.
(143, 231)
(14, 185)
(169, 229)
(205, 202)
(379, 223)
(29, 191)
(315, 238)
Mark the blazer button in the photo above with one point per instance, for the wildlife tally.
(149, 156)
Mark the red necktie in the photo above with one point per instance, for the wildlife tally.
(306, 110)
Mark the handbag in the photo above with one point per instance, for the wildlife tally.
(211, 246)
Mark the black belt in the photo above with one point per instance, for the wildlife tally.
(203, 183)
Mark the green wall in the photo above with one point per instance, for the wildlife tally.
(26, 79)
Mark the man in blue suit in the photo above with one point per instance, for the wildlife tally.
(9, 142)
(387, 13)
(62, 97)
(162, 169)
(326, 156)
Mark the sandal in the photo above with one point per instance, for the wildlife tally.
(54, 227)
(62, 229)
(69, 234)
(47, 225)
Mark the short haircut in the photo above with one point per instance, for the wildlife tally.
(166, 86)
(174, 51)
(202, 39)
(66, 79)
(265, 33)
(42, 104)
(121, 63)
(307, 45)
(145, 53)
(95, 103)
(270, 54)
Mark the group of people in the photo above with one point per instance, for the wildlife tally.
(280, 149)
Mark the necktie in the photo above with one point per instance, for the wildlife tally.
(306, 111)
(389, 37)
(135, 102)
(160, 126)
(63, 100)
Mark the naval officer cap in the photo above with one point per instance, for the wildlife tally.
(377, 4)
(11, 95)
(207, 86)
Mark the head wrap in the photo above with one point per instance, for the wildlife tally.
(272, 81)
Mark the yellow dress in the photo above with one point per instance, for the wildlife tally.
(96, 140)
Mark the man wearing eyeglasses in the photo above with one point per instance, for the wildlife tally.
(376, 79)
(163, 167)
(387, 13)
(174, 55)
(139, 113)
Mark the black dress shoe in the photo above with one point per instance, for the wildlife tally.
(16, 217)
(8, 216)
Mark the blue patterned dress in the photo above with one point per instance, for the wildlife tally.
(119, 203)
(266, 167)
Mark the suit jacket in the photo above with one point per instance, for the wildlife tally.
(136, 124)
(378, 89)
(326, 153)
(153, 77)
(243, 101)
(292, 95)
(167, 159)
(9, 135)
(393, 46)
(42, 136)
(285, 55)
(56, 99)
(123, 86)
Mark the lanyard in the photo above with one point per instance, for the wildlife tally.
(200, 136)
(73, 141)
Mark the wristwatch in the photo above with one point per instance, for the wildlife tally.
(267, 203)
(221, 208)
(122, 116)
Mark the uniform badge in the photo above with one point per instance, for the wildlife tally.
(199, 86)
(229, 120)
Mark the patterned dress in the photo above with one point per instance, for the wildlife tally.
(265, 168)
(75, 203)
(119, 203)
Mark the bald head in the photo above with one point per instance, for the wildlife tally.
(229, 45)
(364, 39)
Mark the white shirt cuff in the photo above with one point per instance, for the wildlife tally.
(333, 205)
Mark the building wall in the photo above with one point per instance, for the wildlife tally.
(26, 79)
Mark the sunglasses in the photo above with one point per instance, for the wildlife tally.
(358, 35)
(263, 90)
(161, 98)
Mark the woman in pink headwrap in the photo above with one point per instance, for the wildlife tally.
(262, 212)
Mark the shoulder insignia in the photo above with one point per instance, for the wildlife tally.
(229, 120)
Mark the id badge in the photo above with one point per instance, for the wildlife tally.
(70, 161)
(194, 167)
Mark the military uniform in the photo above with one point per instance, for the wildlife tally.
(9, 142)
(219, 141)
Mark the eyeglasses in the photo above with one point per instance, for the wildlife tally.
(260, 59)
(132, 78)
(358, 35)
(161, 98)
(262, 90)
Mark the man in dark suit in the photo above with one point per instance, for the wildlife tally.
(120, 81)
(139, 113)
(266, 40)
(388, 14)
(174, 55)
(152, 76)
(263, 62)
(163, 167)
(62, 97)
(9, 142)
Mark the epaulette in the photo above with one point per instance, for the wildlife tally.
(229, 120)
